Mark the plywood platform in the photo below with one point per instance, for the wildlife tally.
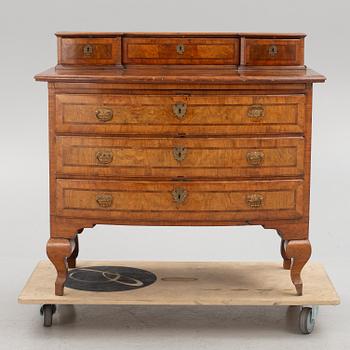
(193, 283)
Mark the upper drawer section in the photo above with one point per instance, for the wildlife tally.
(272, 52)
(181, 51)
(89, 51)
(180, 114)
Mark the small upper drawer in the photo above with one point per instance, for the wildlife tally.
(272, 52)
(89, 51)
(181, 51)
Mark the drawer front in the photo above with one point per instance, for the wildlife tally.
(176, 201)
(182, 114)
(89, 51)
(273, 52)
(180, 51)
(180, 157)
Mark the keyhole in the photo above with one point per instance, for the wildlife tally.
(273, 50)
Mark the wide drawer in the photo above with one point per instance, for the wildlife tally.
(180, 114)
(180, 157)
(181, 51)
(176, 201)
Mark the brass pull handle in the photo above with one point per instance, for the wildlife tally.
(273, 50)
(255, 200)
(179, 153)
(104, 114)
(179, 195)
(256, 112)
(104, 200)
(179, 109)
(104, 157)
(180, 49)
(255, 158)
(88, 50)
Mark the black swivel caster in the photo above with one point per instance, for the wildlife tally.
(47, 310)
(307, 319)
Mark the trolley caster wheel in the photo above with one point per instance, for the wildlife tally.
(47, 311)
(307, 319)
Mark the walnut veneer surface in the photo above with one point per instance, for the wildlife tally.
(180, 129)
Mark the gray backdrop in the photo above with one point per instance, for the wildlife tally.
(28, 46)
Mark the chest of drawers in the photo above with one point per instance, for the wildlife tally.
(180, 129)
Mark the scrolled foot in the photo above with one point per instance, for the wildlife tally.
(299, 251)
(58, 250)
(72, 259)
(286, 261)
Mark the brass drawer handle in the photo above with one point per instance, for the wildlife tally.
(179, 195)
(179, 109)
(273, 50)
(180, 49)
(179, 153)
(104, 200)
(88, 50)
(255, 200)
(255, 158)
(256, 112)
(104, 114)
(104, 157)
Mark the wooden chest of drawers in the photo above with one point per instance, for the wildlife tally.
(180, 129)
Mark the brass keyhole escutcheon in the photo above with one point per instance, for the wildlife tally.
(179, 109)
(179, 153)
(255, 200)
(180, 49)
(104, 114)
(88, 50)
(273, 50)
(255, 158)
(104, 157)
(179, 195)
(104, 200)
(256, 112)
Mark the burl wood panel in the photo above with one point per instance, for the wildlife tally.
(89, 51)
(180, 157)
(272, 52)
(156, 200)
(192, 51)
(208, 114)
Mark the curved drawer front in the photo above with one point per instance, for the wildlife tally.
(193, 115)
(176, 201)
(173, 157)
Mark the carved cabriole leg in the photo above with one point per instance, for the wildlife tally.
(286, 261)
(299, 251)
(58, 250)
(72, 260)
(295, 248)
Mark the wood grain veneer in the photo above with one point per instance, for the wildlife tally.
(180, 129)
